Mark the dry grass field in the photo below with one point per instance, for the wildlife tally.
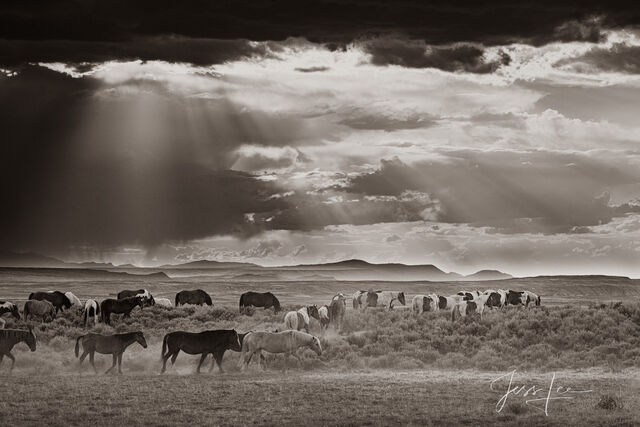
(380, 368)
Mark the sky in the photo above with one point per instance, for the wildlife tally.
(500, 135)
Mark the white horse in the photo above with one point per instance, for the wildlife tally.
(384, 299)
(422, 303)
(164, 302)
(75, 301)
(532, 298)
(323, 312)
(276, 342)
(91, 308)
(299, 320)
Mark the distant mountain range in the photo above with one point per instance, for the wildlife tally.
(352, 269)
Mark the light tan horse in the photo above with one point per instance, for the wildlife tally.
(277, 342)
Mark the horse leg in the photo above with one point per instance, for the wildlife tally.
(82, 357)
(120, 363)
(164, 361)
(115, 360)
(174, 357)
(1, 357)
(13, 360)
(217, 357)
(263, 361)
(91, 356)
(204, 356)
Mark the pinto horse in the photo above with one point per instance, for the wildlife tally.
(11, 337)
(147, 298)
(57, 298)
(196, 297)
(337, 309)
(119, 306)
(258, 299)
(91, 309)
(299, 320)
(287, 342)
(204, 343)
(8, 307)
(108, 344)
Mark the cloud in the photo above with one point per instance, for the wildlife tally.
(416, 54)
(317, 69)
(620, 57)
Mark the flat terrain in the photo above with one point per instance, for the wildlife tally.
(379, 368)
(310, 398)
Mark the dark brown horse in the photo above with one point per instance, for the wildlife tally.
(204, 343)
(108, 344)
(147, 298)
(118, 306)
(258, 299)
(11, 337)
(57, 298)
(196, 297)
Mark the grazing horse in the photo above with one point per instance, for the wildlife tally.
(57, 298)
(91, 309)
(299, 320)
(163, 302)
(450, 303)
(75, 301)
(494, 298)
(422, 303)
(108, 344)
(469, 295)
(258, 299)
(516, 298)
(11, 337)
(8, 307)
(464, 308)
(197, 297)
(204, 343)
(337, 309)
(359, 300)
(323, 312)
(43, 309)
(532, 298)
(147, 298)
(384, 299)
(277, 342)
(119, 306)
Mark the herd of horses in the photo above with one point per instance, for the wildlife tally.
(47, 305)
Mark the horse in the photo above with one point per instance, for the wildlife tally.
(464, 308)
(494, 298)
(323, 312)
(469, 295)
(119, 306)
(75, 301)
(384, 299)
(108, 344)
(42, 309)
(8, 307)
(516, 298)
(196, 297)
(91, 309)
(163, 302)
(11, 337)
(337, 309)
(532, 298)
(277, 342)
(422, 303)
(257, 299)
(146, 296)
(57, 298)
(450, 303)
(298, 320)
(359, 299)
(204, 343)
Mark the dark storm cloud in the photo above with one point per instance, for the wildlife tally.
(510, 192)
(62, 187)
(312, 69)
(171, 49)
(620, 58)
(416, 54)
(336, 23)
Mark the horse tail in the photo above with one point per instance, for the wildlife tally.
(177, 298)
(207, 299)
(164, 346)
(78, 344)
(241, 302)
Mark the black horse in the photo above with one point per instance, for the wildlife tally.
(146, 296)
(258, 299)
(196, 297)
(118, 306)
(108, 344)
(205, 343)
(11, 337)
(57, 298)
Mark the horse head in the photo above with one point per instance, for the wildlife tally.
(140, 339)
(314, 345)
(312, 311)
(234, 341)
(31, 339)
(276, 304)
